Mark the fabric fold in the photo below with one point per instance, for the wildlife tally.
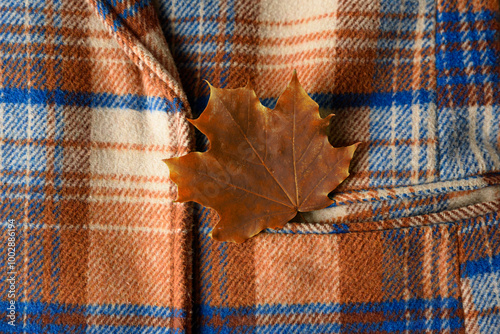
(134, 24)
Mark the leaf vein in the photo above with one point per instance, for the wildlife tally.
(244, 189)
(253, 149)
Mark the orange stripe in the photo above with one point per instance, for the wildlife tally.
(85, 176)
(295, 40)
(96, 145)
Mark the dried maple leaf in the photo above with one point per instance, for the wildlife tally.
(263, 166)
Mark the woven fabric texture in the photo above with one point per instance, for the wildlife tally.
(95, 93)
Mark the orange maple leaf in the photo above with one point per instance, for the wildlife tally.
(263, 166)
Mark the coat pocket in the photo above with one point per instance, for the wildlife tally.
(432, 271)
(479, 258)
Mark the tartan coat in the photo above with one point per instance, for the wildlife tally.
(95, 93)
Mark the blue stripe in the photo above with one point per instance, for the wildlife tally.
(437, 323)
(92, 100)
(348, 100)
(482, 266)
(38, 327)
(459, 37)
(455, 59)
(455, 17)
(387, 307)
(36, 307)
(476, 78)
(334, 229)
(103, 9)
(53, 310)
(133, 10)
(129, 12)
(377, 99)
(391, 310)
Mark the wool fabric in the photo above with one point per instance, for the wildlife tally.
(96, 93)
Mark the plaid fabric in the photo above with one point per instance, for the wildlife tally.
(94, 94)
(87, 115)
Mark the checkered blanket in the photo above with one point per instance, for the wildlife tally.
(95, 93)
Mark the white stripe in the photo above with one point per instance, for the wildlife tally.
(140, 163)
(101, 227)
(472, 110)
(487, 125)
(432, 134)
(131, 185)
(127, 126)
(415, 147)
(415, 109)
(27, 27)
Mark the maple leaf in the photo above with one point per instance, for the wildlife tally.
(263, 166)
